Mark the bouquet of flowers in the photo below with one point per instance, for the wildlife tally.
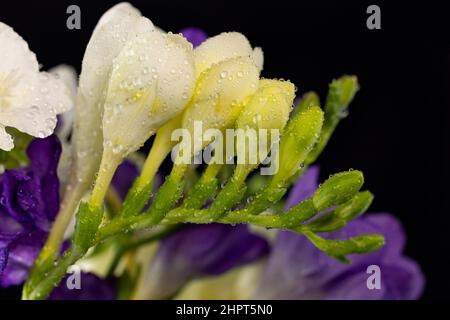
(85, 214)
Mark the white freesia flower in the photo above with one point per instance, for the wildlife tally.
(224, 46)
(151, 82)
(29, 99)
(133, 79)
(227, 71)
(107, 40)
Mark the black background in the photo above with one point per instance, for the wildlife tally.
(396, 131)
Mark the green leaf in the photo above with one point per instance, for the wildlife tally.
(341, 248)
(88, 220)
(338, 189)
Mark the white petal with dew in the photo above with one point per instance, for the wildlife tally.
(116, 13)
(107, 40)
(29, 99)
(6, 142)
(258, 57)
(152, 80)
(219, 48)
(15, 56)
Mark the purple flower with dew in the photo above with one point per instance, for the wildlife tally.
(202, 250)
(29, 202)
(91, 288)
(194, 35)
(297, 270)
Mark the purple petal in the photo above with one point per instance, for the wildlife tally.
(304, 187)
(44, 156)
(194, 35)
(3, 258)
(91, 288)
(402, 280)
(21, 255)
(297, 270)
(10, 183)
(124, 177)
(199, 250)
(10, 228)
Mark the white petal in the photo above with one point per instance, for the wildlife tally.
(220, 94)
(116, 12)
(6, 142)
(68, 76)
(16, 59)
(258, 58)
(152, 80)
(34, 104)
(106, 42)
(176, 78)
(29, 100)
(219, 48)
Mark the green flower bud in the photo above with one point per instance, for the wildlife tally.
(338, 189)
(340, 94)
(355, 207)
(297, 141)
(262, 119)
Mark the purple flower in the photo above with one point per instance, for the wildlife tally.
(202, 250)
(194, 35)
(124, 177)
(297, 270)
(91, 288)
(29, 202)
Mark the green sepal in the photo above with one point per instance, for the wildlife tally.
(299, 213)
(166, 198)
(355, 207)
(308, 99)
(231, 194)
(337, 189)
(136, 200)
(266, 199)
(338, 218)
(339, 249)
(200, 193)
(327, 222)
(88, 220)
(341, 92)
